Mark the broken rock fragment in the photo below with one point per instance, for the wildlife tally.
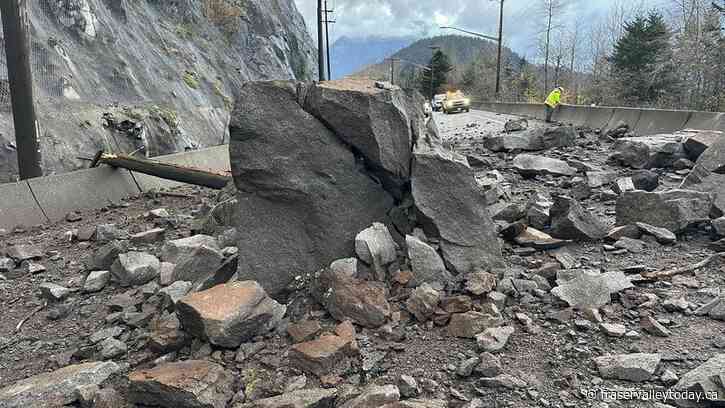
(569, 220)
(590, 288)
(637, 367)
(305, 398)
(427, 265)
(229, 314)
(375, 247)
(423, 302)
(330, 354)
(136, 268)
(705, 379)
(191, 383)
(532, 165)
(56, 388)
(348, 298)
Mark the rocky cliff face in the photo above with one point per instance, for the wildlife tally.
(153, 76)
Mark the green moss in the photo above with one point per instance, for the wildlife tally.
(251, 381)
(185, 31)
(218, 90)
(191, 80)
(170, 117)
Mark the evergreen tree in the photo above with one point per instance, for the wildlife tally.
(642, 60)
(441, 66)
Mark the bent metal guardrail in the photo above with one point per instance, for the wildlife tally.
(642, 121)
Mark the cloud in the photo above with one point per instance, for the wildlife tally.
(362, 18)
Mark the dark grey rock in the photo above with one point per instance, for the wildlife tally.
(532, 165)
(637, 367)
(447, 197)
(303, 195)
(646, 152)
(706, 378)
(426, 264)
(646, 180)
(569, 220)
(674, 210)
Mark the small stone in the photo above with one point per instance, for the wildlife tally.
(652, 326)
(489, 366)
(669, 377)
(112, 348)
(408, 386)
(304, 330)
(635, 367)
(148, 237)
(494, 339)
(375, 247)
(326, 355)
(53, 292)
(501, 381)
(469, 324)
(109, 232)
(480, 283)
(21, 253)
(465, 368)
(135, 268)
(346, 266)
(423, 302)
(613, 329)
(96, 281)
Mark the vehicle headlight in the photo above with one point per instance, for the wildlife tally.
(449, 103)
(467, 101)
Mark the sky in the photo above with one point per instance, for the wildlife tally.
(421, 18)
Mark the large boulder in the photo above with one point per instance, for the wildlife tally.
(533, 139)
(229, 314)
(374, 121)
(648, 152)
(453, 209)
(674, 210)
(303, 193)
(57, 388)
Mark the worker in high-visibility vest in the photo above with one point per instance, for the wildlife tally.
(552, 102)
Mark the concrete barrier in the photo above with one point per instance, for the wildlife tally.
(706, 121)
(18, 207)
(533, 110)
(570, 114)
(656, 121)
(626, 115)
(213, 159)
(87, 189)
(597, 118)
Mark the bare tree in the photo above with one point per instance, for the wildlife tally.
(553, 12)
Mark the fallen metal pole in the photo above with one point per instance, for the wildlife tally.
(167, 171)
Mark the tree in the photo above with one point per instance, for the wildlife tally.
(440, 66)
(552, 12)
(642, 60)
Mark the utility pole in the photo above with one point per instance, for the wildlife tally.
(433, 48)
(500, 46)
(392, 71)
(327, 39)
(320, 42)
(16, 31)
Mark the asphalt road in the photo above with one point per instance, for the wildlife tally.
(475, 124)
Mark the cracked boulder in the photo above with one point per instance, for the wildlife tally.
(229, 314)
(377, 123)
(673, 210)
(303, 192)
(375, 247)
(453, 209)
(533, 139)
